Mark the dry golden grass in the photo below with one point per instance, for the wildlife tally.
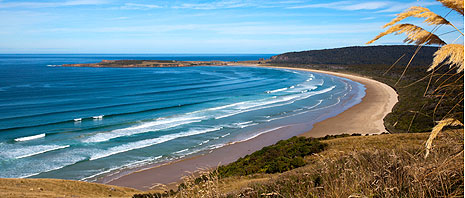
(59, 188)
(420, 12)
(414, 34)
(375, 166)
(365, 166)
(456, 5)
(438, 128)
(454, 53)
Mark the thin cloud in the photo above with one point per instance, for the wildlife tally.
(365, 6)
(403, 6)
(347, 5)
(50, 4)
(241, 29)
(228, 4)
(381, 6)
(138, 6)
(322, 5)
(368, 18)
(213, 5)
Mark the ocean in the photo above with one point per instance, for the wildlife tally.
(85, 123)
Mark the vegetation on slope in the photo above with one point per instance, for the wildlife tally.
(449, 54)
(420, 103)
(280, 157)
(389, 165)
(375, 166)
(357, 55)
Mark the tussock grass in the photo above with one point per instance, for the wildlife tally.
(357, 166)
(379, 166)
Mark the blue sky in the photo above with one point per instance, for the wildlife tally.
(194, 26)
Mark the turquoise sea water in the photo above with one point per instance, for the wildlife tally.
(149, 115)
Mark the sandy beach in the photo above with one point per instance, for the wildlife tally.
(364, 118)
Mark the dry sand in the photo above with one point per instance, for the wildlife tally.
(365, 118)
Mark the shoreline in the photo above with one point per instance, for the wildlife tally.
(365, 117)
(354, 119)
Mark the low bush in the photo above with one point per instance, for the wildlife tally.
(283, 156)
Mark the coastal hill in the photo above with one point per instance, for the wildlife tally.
(416, 107)
(368, 55)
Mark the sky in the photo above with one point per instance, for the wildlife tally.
(202, 26)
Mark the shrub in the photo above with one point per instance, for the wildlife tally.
(283, 156)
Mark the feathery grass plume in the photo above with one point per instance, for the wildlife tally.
(452, 52)
(456, 5)
(441, 124)
(419, 12)
(414, 33)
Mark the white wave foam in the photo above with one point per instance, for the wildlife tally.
(204, 142)
(181, 151)
(224, 106)
(156, 125)
(215, 112)
(277, 90)
(18, 152)
(52, 148)
(130, 165)
(243, 124)
(302, 112)
(271, 102)
(192, 152)
(212, 147)
(263, 132)
(36, 166)
(27, 138)
(149, 142)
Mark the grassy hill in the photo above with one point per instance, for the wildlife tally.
(389, 165)
(59, 188)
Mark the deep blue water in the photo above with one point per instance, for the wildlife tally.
(150, 115)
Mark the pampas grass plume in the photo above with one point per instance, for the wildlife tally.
(452, 51)
(456, 5)
(420, 12)
(414, 33)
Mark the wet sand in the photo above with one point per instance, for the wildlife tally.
(364, 118)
